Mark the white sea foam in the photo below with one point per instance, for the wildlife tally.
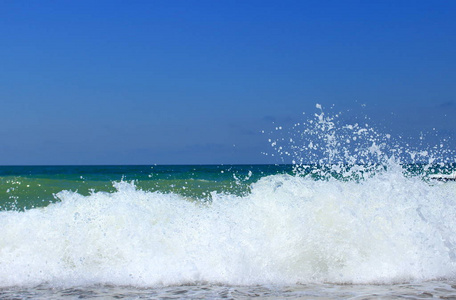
(290, 229)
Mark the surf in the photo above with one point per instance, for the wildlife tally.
(288, 230)
(358, 208)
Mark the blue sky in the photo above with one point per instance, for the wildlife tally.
(195, 82)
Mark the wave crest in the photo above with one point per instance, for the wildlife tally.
(288, 230)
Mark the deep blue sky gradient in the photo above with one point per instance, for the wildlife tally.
(195, 82)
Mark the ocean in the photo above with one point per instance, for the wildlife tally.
(224, 231)
(356, 215)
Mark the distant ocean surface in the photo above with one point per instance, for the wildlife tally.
(227, 231)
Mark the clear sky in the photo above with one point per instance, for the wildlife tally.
(195, 82)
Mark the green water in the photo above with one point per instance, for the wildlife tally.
(23, 187)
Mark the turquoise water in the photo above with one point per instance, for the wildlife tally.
(23, 187)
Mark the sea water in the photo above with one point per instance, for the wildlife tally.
(355, 216)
